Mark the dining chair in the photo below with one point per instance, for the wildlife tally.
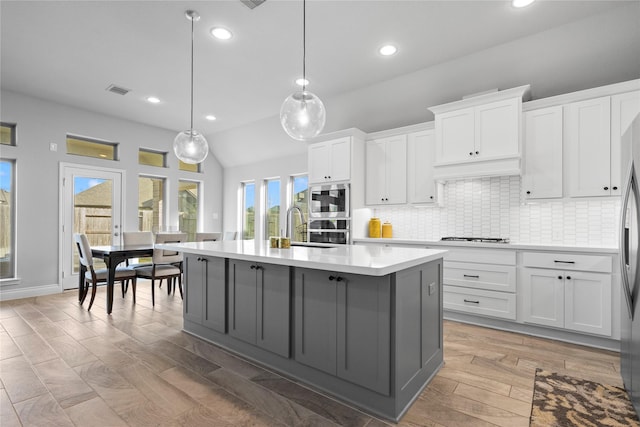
(99, 276)
(230, 235)
(164, 264)
(208, 237)
(136, 238)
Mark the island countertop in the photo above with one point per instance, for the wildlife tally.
(367, 260)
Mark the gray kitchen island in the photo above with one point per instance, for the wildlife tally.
(363, 324)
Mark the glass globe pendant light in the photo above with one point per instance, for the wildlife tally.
(302, 114)
(190, 146)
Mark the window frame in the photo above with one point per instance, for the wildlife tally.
(243, 208)
(265, 205)
(164, 155)
(13, 279)
(182, 165)
(13, 128)
(200, 192)
(96, 141)
(163, 212)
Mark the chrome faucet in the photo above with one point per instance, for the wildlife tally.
(289, 225)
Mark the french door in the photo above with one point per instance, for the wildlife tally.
(90, 203)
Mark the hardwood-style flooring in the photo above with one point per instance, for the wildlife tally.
(63, 366)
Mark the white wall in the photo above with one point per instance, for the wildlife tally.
(40, 123)
(282, 167)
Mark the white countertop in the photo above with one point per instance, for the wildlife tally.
(519, 246)
(356, 259)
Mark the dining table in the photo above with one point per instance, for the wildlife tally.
(112, 257)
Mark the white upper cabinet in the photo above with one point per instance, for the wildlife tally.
(587, 138)
(330, 161)
(542, 155)
(479, 136)
(421, 150)
(624, 108)
(386, 171)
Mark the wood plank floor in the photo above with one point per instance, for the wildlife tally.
(63, 366)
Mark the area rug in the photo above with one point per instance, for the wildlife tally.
(563, 401)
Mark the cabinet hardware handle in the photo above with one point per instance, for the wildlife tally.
(528, 192)
(470, 153)
(560, 277)
(477, 152)
(471, 301)
(329, 177)
(332, 277)
(253, 267)
(259, 267)
(198, 259)
(568, 277)
(339, 279)
(606, 188)
(471, 275)
(614, 188)
(564, 262)
(431, 197)
(382, 199)
(386, 199)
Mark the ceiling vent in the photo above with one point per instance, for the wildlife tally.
(118, 90)
(252, 4)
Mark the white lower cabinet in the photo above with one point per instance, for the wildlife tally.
(556, 293)
(480, 281)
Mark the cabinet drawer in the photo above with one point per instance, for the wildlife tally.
(477, 301)
(480, 276)
(485, 256)
(596, 263)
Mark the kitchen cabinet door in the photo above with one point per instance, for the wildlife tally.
(543, 297)
(543, 153)
(315, 302)
(587, 134)
(386, 171)
(497, 129)
(273, 303)
(455, 134)
(330, 161)
(242, 300)
(588, 302)
(364, 330)
(624, 108)
(194, 283)
(421, 151)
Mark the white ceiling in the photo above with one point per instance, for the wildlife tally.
(70, 51)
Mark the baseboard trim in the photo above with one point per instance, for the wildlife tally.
(33, 291)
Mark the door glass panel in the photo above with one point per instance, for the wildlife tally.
(92, 213)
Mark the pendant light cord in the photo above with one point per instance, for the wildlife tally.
(304, 45)
(191, 128)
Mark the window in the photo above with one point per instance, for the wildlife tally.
(189, 167)
(150, 203)
(248, 210)
(272, 208)
(91, 148)
(188, 208)
(7, 219)
(299, 198)
(152, 158)
(7, 134)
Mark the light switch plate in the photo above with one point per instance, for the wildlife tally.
(53, 146)
(432, 288)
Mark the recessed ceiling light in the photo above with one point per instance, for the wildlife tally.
(221, 33)
(388, 50)
(521, 3)
(302, 82)
(210, 117)
(153, 99)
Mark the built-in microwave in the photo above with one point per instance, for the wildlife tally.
(335, 231)
(329, 201)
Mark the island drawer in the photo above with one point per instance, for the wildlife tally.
(564, 261)
(478, 301)
(480, 276)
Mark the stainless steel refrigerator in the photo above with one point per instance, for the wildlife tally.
(630, 261)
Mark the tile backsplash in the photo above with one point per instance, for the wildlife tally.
(493, 207)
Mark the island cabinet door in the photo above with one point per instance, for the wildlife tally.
(194, 279)
(214, 299)
(363, 330)
(274, 302)
(315, 319)
(242, 300)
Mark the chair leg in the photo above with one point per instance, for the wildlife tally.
(133, 286)
(122, 283)
(153, 293)
(93, 295)
(85, 290)
(180, 286)
(169, 285)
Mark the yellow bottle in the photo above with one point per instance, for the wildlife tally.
(374, 227)
(387, 230)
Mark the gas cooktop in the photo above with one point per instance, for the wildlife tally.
(476, 239)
